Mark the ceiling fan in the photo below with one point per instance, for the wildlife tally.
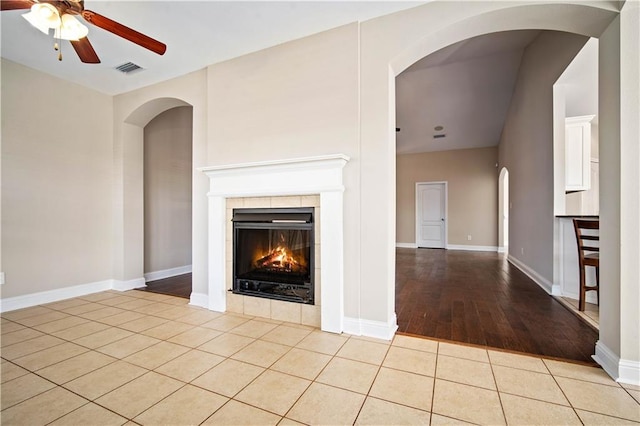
(59, 15)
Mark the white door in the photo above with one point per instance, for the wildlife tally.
(431, 215)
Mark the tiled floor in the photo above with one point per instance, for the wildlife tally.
(143, 358)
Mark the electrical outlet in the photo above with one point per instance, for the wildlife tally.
(1, 278)
(468, 237)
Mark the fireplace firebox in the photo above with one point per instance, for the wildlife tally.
(273, 253)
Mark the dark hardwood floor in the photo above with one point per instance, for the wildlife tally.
(480, 298)
(179, 286)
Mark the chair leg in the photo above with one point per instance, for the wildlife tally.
(582, 290)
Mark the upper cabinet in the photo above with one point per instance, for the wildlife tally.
(578, 153)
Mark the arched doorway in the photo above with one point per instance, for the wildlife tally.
(131, 113)
(503, 211)
(511, 18)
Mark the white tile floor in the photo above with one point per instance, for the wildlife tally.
(141, 358)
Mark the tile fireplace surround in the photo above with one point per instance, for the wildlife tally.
(290, 182)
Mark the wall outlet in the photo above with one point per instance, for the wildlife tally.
(468, 237)
(1, 278)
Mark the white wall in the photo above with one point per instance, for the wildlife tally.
(57, 155)
(472, 179)
(526, 149)
(167, 190)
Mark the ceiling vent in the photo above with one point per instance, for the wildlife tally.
(128, 68)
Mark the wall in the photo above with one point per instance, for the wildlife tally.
(472, 179)
(167, 190)
(526, 149)
(57, 156)
(299, 99)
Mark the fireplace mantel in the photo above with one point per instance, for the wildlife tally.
(300, 176)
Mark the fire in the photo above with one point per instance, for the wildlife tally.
(280, 259)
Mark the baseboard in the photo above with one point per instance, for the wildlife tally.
(621, 370)
(545, 284)
(167, 273)
(471, 248)
(40, 298)
(502, 249)
(199, 299)
(128, 285)
(368, 328)
(406, 245)
(629, 372)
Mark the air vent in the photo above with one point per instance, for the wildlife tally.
(439, 136)
(128, 68)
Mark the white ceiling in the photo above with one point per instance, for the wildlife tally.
(197, 34)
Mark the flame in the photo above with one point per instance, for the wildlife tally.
(280, 259)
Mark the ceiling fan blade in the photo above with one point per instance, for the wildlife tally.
(124, 32)
(16, 4)
(85, 51)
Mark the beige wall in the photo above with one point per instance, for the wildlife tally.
(472, 184)
(57, 157)
(298, 99)
(167, 190)
(526, 150)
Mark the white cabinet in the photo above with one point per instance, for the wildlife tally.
(578, 153)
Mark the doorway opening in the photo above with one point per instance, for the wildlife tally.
(168, 202)
(469, 293)
(503, 211)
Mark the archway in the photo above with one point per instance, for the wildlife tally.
(418, 38)
(131, 113)
(503, 211)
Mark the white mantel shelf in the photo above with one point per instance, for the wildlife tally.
(298, 176)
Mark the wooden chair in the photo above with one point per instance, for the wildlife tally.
(588, 255)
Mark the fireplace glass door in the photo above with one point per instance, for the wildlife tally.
(273, 254)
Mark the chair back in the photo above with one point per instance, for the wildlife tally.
(587, 242)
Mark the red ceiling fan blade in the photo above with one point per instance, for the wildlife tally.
(124, 32)
(16, 4)
(85, 51)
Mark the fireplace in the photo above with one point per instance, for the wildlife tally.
(273, 253)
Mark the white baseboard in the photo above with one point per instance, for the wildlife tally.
(471, 248)
(621, 370)
(199, 299)
(375, 329)
(40, 298)
(629, 372)
(545, 284)
(607, 359)
(167, 273)
(128, 285)
(503, 249)
(406, 245)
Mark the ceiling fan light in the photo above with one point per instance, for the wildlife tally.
(43, 16)
(34, 20)
(71, 29)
